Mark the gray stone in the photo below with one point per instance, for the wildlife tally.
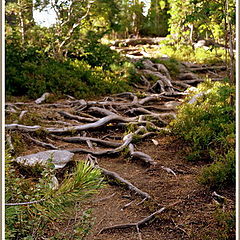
(59, 158)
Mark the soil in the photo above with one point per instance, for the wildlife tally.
(192, 217)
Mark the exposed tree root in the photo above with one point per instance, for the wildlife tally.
(96, 140)
(78, 118)
(137, 41)
(154, 97)
(101, 111)
(140, 223)
(101, 122)
(169, 170)
(145, 111)
(59, 122)
(140, 155)
(119, 179)
(22, 114)
(42, 144)
(199, 80)
(20, 127)
(42, 98)
(181, 84)
(126, 141)
(9, 143)
(202, 69)
(105, 198)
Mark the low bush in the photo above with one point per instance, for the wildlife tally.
(208, 125)
(97, 54)
(30, 72)
(35, 221)
(227, 223)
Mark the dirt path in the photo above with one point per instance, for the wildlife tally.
(171, 181)
(191, 218)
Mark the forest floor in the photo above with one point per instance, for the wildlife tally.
(172, 181)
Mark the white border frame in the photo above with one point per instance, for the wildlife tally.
(2, 8)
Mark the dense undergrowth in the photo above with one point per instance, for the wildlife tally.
(35, 221)
(208, 125)
(98, 71)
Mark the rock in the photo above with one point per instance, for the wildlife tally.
(59, 158)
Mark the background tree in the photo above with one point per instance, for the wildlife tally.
(156, 23)
(193, 20)
(19, 15)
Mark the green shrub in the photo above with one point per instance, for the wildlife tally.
(221, 172)
(227, 221)
(33, 221)
(208, 125)
(97, 54)
(29, 72)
